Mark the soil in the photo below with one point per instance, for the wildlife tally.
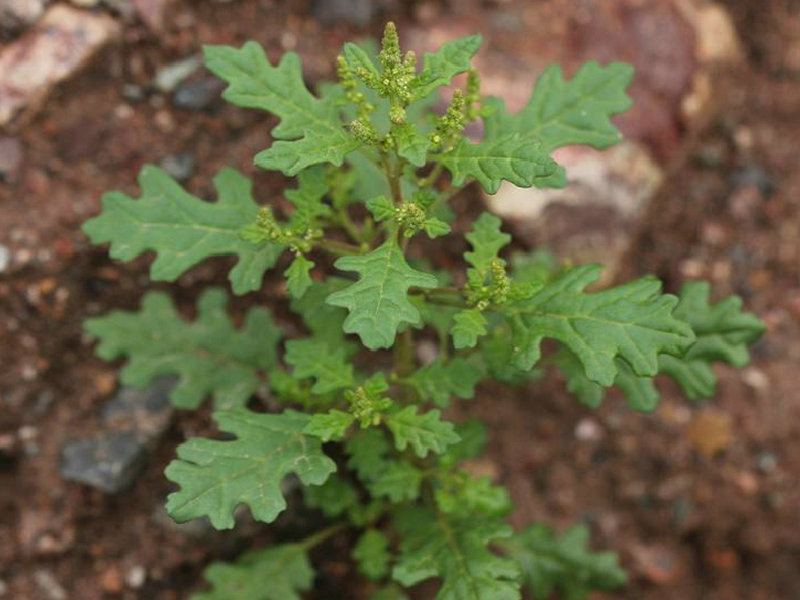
(701, 502)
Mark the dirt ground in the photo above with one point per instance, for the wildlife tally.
(701, 502)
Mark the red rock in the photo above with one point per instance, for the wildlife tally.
(61, 43)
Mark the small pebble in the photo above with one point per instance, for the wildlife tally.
(766, 462)
(135, 577)
(180, 166)
(5, 258)
(197, 95)
(170, 76)
(49, 585)
(587, 430)
(3, 588)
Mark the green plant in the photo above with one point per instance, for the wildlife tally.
(370, 158)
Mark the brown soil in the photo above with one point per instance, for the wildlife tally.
(688, 525)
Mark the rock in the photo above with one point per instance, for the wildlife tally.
(591, 220)
(133, 421)
(180, 166)
(710, 431)
(61, 43)
(111, 580)
(5, 258)
(199, 94)
(108, 462)
(135, 577)
(588, 430)
(353, 12)
(171, 75)
(152, 12)
(657, 564)
(48, 584)
(15, 15)
(10, 159)
(3, 588)
(717, 40)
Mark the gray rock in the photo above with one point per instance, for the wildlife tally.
(354, 12)
(198, 95)
(133, 422)
(171, 75)
(109, 462)
(11, 156)
(5, 258)
(180, 166)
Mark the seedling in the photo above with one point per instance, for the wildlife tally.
(361, 424)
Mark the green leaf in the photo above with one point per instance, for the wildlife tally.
(423, 432)
(473, 440)
(399, 482)
(357, 57)
(209, 356)
(516, 158)
(371, 553)
(469, 325)
(549, 561)
(435, 227)
(324, 321)
(439, 67)
(328, 366)
(440, 380)
(183, 230)
(633, 321)
(310, 131)
(367, 450)
(297, 276)
(334, 497)
(328, 426)
(285, 569)
(378, 302)
(467, 496)
(217, 476)
(455, 549)
(307, 199)
(562, 113)
(410, 144)
(381, 208)
(396, 479)
(487, 240)
(390, 592)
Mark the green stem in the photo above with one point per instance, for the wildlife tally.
(432, 177)
(315, 539)
(343, 219)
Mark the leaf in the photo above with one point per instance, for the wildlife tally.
(310, 131)
(371, 553)
(455, 549)
(209, 356)
(516, 158)
(390, 592)
(334, 497)
(324, 321)
(440, 380)
(467, 496)
(297, 276)
(549, 561)
(307, 199)
(439, 67)
(328, 426)
(561, 113)
(217, 476)
(378, 302)
(396, 479)
(473, 440)
(357, 57)
(435, 227)
(487, 240)
(381, 208)
(469, 325)
(423, 432)
(285, 569)
(184, 230)
(633, 321)
(410, 144)
(315, 359)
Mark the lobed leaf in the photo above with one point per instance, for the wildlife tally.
(184, 230)
(424, 432)
(217, 476)
(209, 356)
(371, 554)
(439, 67)
(316, 359)
(378, 302)
(440, 380)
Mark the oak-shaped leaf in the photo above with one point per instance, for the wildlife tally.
(184, 230)
(439, 67)
(454, 548)
(440, 380)
(378, 302)
(632, 321)
(209, 356)
(424, 432)
(216, 476)
(310, 131)
(550, 561)
(314, 358)
(275, 573)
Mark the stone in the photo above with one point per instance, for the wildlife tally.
(172, 74)
(180, 166)
(11, 156)
(49, 586)
(591, 220)
(60, 44)
(658, 564)
(5, 258)
(133, 422)
(353, 12)
(15, 15)
(152, 12)
(108, 462)
(200, 94)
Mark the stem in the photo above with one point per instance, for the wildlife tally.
(343, 218)
(431, 178)
(338, 248)
(394, 180)
(315, 539)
